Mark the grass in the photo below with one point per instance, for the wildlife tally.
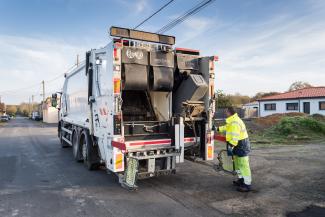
(291, 130)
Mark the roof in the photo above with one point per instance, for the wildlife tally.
(308, 92)
(251, 103)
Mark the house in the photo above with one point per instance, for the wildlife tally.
(251, 109)
(309, 100)
(251, 105)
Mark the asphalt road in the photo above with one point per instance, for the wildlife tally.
(39, 179)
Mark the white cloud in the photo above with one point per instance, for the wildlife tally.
(273, 55)
(27, 61)
(136, 6)
(192, 28)
(141, 5)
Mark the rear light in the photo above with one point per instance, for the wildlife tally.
(115, 54)
(118, 45)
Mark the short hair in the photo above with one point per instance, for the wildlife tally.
(231, 110)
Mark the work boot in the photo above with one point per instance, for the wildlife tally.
(244, 188)
(239, 182)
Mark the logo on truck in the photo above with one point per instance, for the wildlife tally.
(134, 54)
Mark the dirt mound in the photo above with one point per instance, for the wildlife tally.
(271, 120)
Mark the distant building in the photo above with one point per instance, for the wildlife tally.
(2, 108)
(250, 109)
(309, 100)
(50, 114)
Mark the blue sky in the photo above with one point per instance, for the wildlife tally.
(262, 45)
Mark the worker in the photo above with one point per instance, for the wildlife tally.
(238, 146)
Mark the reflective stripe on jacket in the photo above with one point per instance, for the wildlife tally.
(235, 130)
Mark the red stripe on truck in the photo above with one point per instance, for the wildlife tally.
(152, 142)
(189, 139)
(119, 145)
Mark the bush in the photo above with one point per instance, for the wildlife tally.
(318, 117)
(290, 125)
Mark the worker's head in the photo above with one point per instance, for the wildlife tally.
(230, 111)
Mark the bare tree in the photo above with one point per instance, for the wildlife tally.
(299, 85)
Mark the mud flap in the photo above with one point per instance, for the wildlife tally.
(129, 179)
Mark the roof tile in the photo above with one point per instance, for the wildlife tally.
(309, 92)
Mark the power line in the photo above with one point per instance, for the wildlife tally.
(185, 16)
(37, 84)
(160, 9)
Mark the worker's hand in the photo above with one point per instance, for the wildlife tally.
(229, 149)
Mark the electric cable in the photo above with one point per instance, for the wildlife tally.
(185, 16)
(160, 9)
(37, 84)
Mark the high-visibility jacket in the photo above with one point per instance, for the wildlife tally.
(235, 130)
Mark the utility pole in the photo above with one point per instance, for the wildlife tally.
(43, 85)
(32, 103)
(29, 111)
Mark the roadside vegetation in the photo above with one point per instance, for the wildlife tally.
(291, 128)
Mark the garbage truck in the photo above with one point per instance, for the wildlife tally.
(138, 106)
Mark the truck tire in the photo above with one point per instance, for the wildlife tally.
(76, 147)
(89, 152)
(64, 144)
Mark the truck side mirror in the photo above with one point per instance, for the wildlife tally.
(54, 100)
(91, 99)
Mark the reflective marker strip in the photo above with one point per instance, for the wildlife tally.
(118, 161)
(210, 152)
(117, 85)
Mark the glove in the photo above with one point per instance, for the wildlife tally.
(229, 149)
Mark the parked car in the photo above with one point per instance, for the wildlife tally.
(36, 116)
(4, 118)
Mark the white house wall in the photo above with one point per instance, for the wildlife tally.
(281, 106)
(314, 105)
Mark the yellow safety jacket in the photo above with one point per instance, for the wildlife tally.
(235, 130)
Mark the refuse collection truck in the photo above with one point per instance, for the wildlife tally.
(138, 106)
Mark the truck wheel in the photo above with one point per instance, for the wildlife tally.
(76, 147)
(89, 152)
(64, 144)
